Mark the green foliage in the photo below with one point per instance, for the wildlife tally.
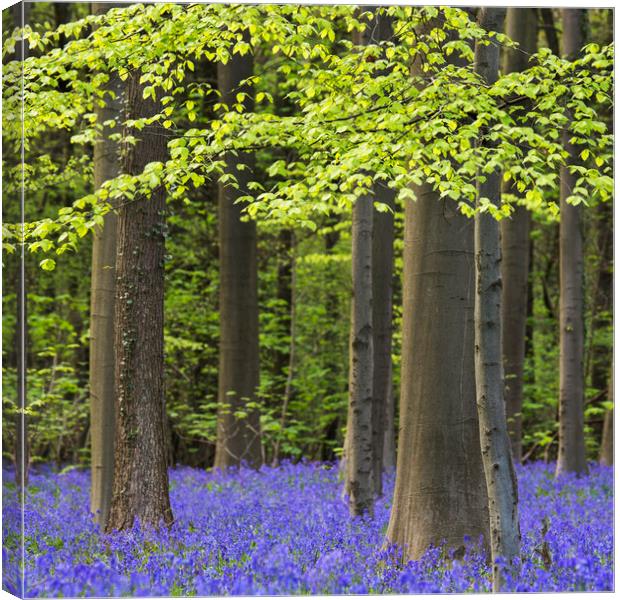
(357, 109)
(57, 402)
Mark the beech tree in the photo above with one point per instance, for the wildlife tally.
(360, 425)
(238, 426)
(106, 163)
(521, 27)
(571, 447)
(600, 358)
(383, 395)
(383, 451)
(371, 326)
(140, 484)
(440, 495)
(606, 455)
(501, 482)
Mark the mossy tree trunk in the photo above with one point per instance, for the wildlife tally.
(140, 485)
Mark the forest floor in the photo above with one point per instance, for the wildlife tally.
(287, 530)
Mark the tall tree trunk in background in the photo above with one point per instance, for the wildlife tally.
(495, 443)
(548, 24)
(440, 491)
(20, 14)
(62, 15)
(333, 314)
(102, 293)
(389, 434)
(238, 438)
(381, 269)
(571, 453)
(382, 275)
(606, 456)
(380, 30)
(360, 426)
(140, 486)
(601, 350)
(521, 27)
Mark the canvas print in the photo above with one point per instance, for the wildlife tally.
(306, 299)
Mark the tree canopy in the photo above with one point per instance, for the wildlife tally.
(360, 115)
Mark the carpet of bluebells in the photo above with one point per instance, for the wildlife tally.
(286, 530)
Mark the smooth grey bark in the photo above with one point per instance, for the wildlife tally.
(140, 484)
(106, 162)
(500, 477)
(521, 27)
(440, 493)
(359, 470)
(238, 438)
(571, 452)
(382, 275)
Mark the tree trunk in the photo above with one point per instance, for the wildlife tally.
(62, 15)
(441, 495)
(382, 274)
(381, 255)
(521, 27)
(238, 435)
(550, 31)
(102, 293)
(500, 477)
(379, 30)
(571, 453)
(360, 427)
(601, 351)
(140, 486)
(606, 456)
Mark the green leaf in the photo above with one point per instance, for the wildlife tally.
(48, 264)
